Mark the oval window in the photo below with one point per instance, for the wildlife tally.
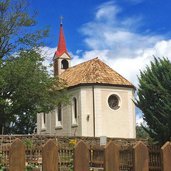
(113, 101)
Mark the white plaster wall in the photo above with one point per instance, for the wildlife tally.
(87, 111)
(120, 122)
(108, 122)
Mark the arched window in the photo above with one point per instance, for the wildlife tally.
(64, 64)
(58, 116)
(43, 121)
(74, 111)
(44, 118)
(59, 113)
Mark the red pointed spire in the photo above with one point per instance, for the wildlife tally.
(61, 42)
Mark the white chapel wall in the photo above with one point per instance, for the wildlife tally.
(115, 123)
(108, 122)
(87, 111)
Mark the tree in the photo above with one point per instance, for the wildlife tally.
(154, 96)
(15, 28)
(141, 133)
(25, 90)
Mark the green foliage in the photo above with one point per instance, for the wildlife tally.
(154, 96)
(2, 158)
(30, 167)
(28, 143)
(141, 133)
(25, 90)
(71, 168)
(15, 28)
(2, 168)
(25, 86)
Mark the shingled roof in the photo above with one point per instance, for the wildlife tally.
(93, 72)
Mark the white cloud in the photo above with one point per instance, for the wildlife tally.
(107, 11)
(114, 33)
(127, 66)
(139, 120)
(117, 42)
(47, 53)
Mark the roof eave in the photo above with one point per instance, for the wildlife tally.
(102, 84)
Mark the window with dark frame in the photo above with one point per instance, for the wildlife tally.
(75, 107)
(74, 111)
(44, 118)
(64, 64)
(59, 113)
(113, 101)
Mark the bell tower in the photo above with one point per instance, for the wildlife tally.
(62, 59)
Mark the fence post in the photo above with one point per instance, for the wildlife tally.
(111, 157)
(50, 156)
(141, 157)
(17, 156)
(81, 157)
(166, 156)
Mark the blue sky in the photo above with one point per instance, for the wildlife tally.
(154, 17)
(125, 34)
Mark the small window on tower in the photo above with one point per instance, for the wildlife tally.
(64, 64)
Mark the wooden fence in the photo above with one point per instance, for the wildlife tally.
(111, 157)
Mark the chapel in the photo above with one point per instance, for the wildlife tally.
(101, 100)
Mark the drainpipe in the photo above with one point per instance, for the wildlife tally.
(94, 126)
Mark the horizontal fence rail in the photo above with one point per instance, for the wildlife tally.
(82, 156)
